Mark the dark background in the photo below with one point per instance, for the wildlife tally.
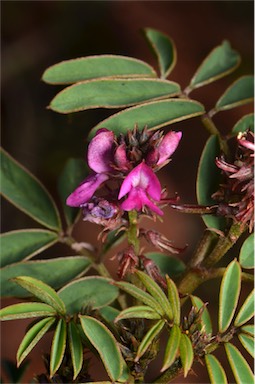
(37, 34)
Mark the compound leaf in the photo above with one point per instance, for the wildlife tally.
(150, 336)
(26, 310)
(186, 353)
(140, 312)
(76, 349)
(172, 347)
(241, 370)
(245, 123)
(205, 318)
(246, 312)
(216, 372)
(174, 300)
(247, 342)
(246, 257)
(58, 346)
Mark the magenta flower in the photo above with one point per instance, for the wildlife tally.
(141, 185)
(99, 159)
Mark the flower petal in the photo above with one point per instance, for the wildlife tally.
(86, 190)
(100, 151)
(143, 177)
(137, 199)
(168, 145)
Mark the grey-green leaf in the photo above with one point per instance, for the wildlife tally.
(150, 336)
(26, 311)
(92, 67)
(105, 344)
(42, 291)
(164, 49)
(208, 182)
(174, 300)
(229, 294)
(186, 353)
(246, 257)
(139, 311)
(111, 93)
(24, 244)
(241, 370)
(76, 348)
(246, 312)
(73, 173)
(247, 342)
(205, 318)
(249, 329)
(32, 337)
(221, 61)
(92, 291)
(155, 114)
(58, 346)
(54, 272)
(245, 123)
(154, 289)
(24, 191)
(109, 313)
(239, 93)
(216, 372)
(168, 265)
(172, 347)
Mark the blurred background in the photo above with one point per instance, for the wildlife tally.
(37, 34)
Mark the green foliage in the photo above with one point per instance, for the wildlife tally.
(186, 353)
(206, 321)
(76, 349)
(92, 291)
(215, 370)
(164, 49)
(245, 123)
(219, 63)
(154, 114)
(149, 338)
(239, 365)
(111, 93)
(172, 347)
(168, 264)
(54, 272)
(24, 244)
(58, 346)
(93, 67)
(24, 191)
(26, 311)
(246, 257)
(246, 312)
(229, 294)
(105, 344)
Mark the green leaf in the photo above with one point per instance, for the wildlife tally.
(246, 257)
(167, 264)
(76, 348)
(216, 372)
(92, 291)
(109, 313)
(111, 93)
(249, 329)
(105, 344)
(140, 312)
(92, 67)
(246, 312)
(241, 370)
(74, 172)
(142, 296)
(155, 114)
(26, 311)
(239, 93)
(174, 300)
(221, 61)
(24, 244)
(247, 342)
(206, 319)
(150, 336)
(208, 182)
(42, 291)
(58, 347)
(186, 353)
(164, 49)
(32, 337)
(245, 123)
(229, 294)
(154, 289)
(172, 347)
(54, 272)
(24, 191)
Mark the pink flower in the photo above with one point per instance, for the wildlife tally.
(141, 185)
(100, 154)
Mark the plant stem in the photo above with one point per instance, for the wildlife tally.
(132, 234)
(212, 129)
(170, 373)
(206, 243)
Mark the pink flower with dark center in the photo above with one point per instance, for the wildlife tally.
(141, 185)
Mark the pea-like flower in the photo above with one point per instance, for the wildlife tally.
(130, 161)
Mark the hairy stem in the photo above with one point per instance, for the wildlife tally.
(132, 235)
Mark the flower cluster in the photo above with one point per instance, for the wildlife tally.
(236, 196)
(123, 169)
